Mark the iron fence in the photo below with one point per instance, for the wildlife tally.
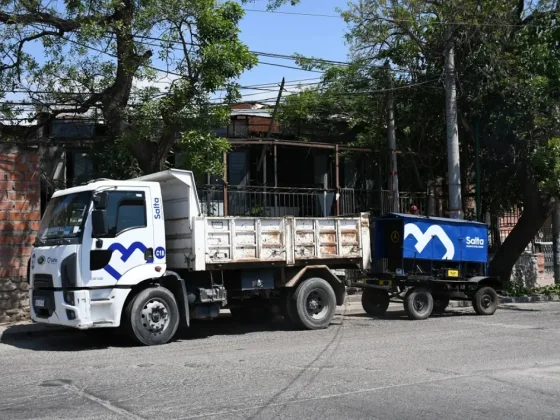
(301, 202)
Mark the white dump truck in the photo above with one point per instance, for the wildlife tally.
(140, 255)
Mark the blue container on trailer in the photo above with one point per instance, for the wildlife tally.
(408, 241)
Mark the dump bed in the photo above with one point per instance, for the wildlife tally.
(286, 240)
(197, 242)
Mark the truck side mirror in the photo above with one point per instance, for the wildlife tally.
(100, 200)
(99, 223)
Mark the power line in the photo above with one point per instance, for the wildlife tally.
(437, 22)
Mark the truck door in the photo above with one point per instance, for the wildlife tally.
(126, 254)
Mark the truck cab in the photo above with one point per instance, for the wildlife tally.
(93, 244)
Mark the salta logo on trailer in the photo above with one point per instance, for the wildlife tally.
(424, 238)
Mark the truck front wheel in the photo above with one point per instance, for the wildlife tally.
(152, 316)
(315, 304)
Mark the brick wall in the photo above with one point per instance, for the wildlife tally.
(19, 222)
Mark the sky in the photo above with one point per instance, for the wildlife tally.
(319, 37)
(279, 32)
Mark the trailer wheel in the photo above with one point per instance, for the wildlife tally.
(441, 304)
(485, 301)
(375, 301)
(152, 316)
(315, 303)
(418, 303)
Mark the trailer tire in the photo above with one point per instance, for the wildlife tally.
(375, 301)
(485, 301)
(152, 316)
(315, 303)
(418, 303)
(440, 305)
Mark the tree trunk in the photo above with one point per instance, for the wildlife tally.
(535, 212)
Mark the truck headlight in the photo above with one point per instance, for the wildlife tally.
(100, 294)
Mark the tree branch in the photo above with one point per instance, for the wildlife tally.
(17, 63)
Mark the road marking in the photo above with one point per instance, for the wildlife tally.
(321, 397)
(81, 393)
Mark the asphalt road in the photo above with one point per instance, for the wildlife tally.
(454, 366)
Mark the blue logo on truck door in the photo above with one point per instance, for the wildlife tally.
(126, 253)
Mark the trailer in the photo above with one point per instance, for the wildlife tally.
(424, 262)
(140, 255)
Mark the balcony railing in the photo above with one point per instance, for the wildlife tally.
(300, 202)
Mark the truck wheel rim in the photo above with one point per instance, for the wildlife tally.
(155, 316)
(420, 303)
(317, 304)
(486, 301)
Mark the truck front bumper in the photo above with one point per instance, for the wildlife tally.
(76, 308)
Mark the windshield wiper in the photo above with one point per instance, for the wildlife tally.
(38, 242)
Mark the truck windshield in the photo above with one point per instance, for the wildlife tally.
(64, 218)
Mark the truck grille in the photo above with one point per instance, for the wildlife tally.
(43, 288)
(42, 281)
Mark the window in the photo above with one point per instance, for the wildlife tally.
(64, 217)
(125, 210)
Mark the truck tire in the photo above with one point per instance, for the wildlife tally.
(290, 312)
(418, 303)
(440, 304)
(485, 301)
(315, 303)
(152, 316)
(375, 301)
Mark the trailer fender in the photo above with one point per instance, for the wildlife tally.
(493, 282)
(321, 271)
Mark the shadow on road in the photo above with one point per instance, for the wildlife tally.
(48, 338)
(401, 315)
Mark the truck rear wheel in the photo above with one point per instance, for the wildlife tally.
(152, 316)
(375, 301)
(418, 303)
(485, 301)
(315, 304)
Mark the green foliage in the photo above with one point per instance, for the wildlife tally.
(203, 154)
(517, 290)
(98, 60)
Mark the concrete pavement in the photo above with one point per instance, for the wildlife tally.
(453, 366)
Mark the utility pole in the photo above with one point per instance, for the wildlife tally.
(556, 240)
(262, 159)
(453, 161)
(477, 154)
(392, 144)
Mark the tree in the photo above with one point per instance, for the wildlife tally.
(97, 54)
(507, 72)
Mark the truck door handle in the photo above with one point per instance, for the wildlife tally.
(149, 254)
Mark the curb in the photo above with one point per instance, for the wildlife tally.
(503, 300)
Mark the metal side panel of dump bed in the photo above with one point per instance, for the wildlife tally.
(287, 240)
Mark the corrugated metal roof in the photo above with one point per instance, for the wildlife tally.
(263, 113)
